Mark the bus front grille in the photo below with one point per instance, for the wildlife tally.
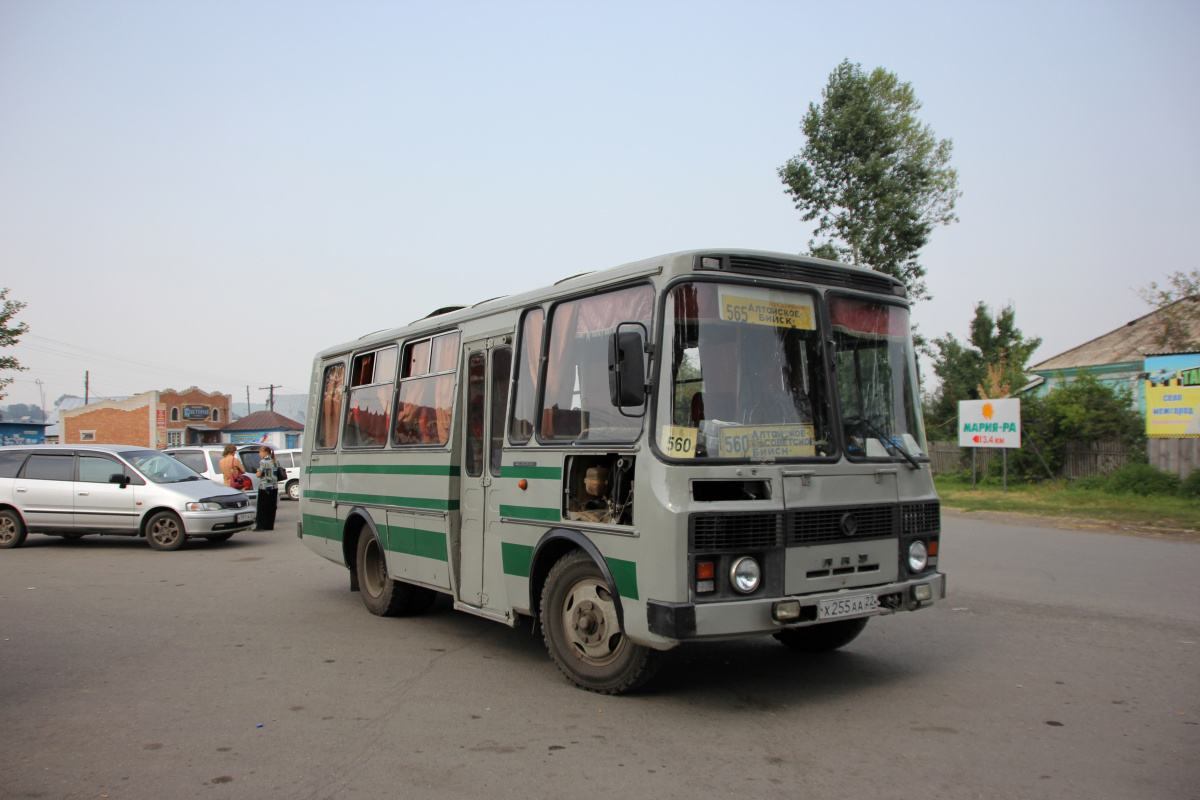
(732, 531)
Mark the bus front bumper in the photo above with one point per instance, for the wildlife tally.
(760, 616)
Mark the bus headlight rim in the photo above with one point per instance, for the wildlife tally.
(745, 575)
(918, 556)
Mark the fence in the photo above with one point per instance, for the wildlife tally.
(1179, 456)
(1094, 458)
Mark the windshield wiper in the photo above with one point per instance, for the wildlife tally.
(884, 439)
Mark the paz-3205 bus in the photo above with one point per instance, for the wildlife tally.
(705, 445)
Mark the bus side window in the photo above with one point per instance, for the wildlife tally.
(501, 367)
(374, 375)
(426, 397)
(576, 403)
(525, 379)
(329, 413)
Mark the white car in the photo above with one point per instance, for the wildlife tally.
(118, 490)
(206, 459)
(291, 463)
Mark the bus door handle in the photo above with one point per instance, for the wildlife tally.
(805, 475)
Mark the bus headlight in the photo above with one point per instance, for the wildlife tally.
(745, 575)
(918, 556)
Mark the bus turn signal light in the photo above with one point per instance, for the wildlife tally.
(705, 571)
(522, 484)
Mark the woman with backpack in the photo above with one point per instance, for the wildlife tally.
(268, 491)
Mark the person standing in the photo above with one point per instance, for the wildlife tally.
(268, 491)
(229, 464)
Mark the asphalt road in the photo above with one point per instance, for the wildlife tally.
(1063, 664)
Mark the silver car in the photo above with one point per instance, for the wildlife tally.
(122, 490)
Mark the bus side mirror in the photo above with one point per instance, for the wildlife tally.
(626, 368)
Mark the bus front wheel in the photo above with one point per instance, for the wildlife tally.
(583, 634)
(381, 595)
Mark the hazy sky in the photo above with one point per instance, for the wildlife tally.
(208, 192)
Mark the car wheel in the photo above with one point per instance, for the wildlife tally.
(583, 635)
(12, 530)
(164, 531)
(293, 490)
(381, 595)
(824, 637)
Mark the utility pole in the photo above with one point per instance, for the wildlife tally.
(43, 393)
(85, 387)
(271, 400)
(247, 401)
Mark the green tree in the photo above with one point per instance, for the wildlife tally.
(991, 364)
(874, 178)
(1178, 302)
(1079, 411)
(10, 334)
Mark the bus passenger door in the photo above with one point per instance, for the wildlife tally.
(485, 395)
(318, 478)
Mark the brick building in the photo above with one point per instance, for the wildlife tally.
(152, 419)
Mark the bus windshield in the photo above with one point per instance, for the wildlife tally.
(745, 375)
(876, 371)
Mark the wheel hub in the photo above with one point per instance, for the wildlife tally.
(590, 622)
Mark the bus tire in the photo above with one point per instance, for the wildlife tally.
(583, 635)
(12, 530)
(824, 637)
(383, 596)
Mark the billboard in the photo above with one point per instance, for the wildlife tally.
(989, 423)
(1171, 411)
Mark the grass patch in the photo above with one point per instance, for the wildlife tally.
(1065, 501)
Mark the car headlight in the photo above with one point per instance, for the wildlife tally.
(203, 506)
(745, 575)
(918, 556)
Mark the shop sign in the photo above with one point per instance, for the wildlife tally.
(195, 413)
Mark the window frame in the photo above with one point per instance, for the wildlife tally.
(402, 379)
(350, 389)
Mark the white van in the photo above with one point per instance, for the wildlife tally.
(121, 490)
(206, 459)
(290, 461)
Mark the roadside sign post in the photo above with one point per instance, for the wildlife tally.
(989, 423)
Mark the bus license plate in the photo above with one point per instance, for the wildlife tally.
(245, 517)
(847, 606)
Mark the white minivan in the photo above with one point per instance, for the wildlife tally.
(290, 461)
(121, 490)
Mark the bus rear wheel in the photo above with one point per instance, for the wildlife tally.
(824, 637)
(381, 595)
(583, 634)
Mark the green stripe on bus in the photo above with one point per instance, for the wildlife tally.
(533, 473)
(385, 469)
(322, 527)
(625, 576)
(313, 494)
(516, 558)
(531, 512)
(416, 542)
